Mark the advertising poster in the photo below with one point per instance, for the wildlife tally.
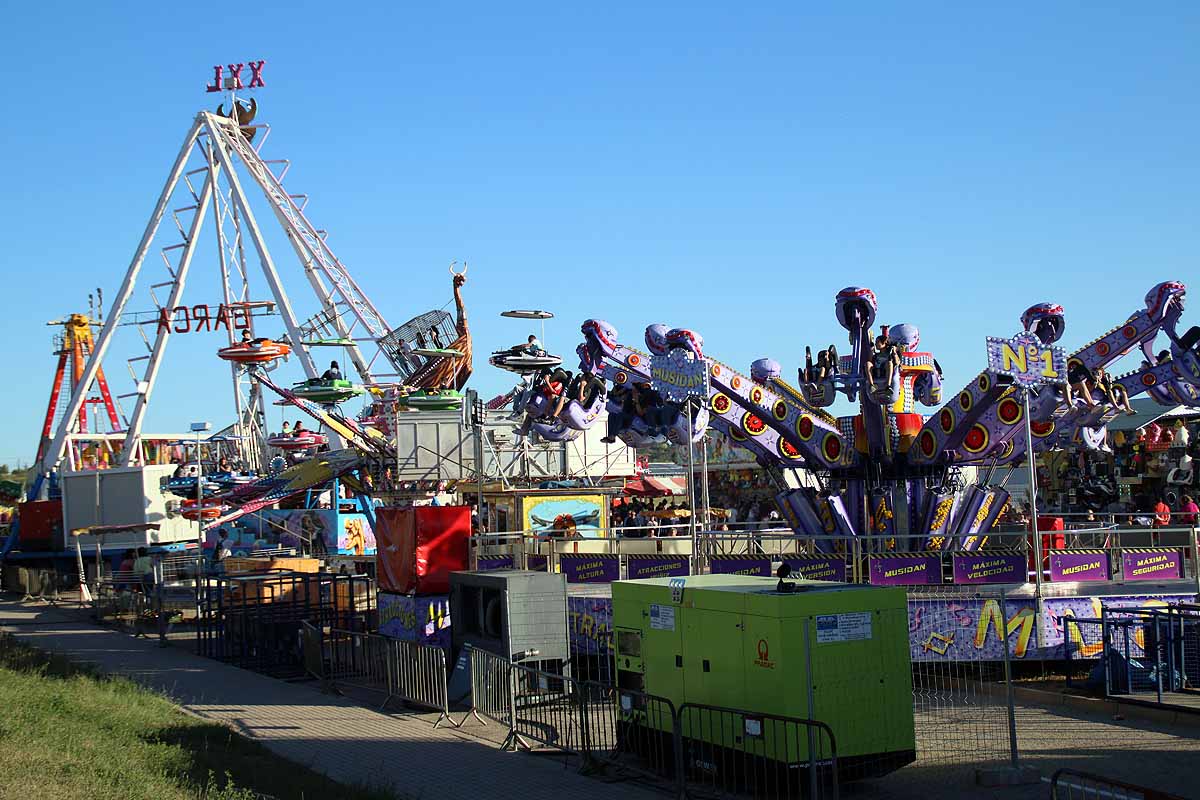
(567, 517)
(589, 621)
(270, 528)
(970, 629)
(423, 619)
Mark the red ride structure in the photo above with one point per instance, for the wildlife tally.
(75, 347)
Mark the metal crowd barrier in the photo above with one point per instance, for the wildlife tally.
(697, 749)
(409, 672)
(1071, 784)
(1141, 651)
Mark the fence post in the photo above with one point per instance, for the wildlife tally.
(677, 746)
(1104, 652)
(159, 615)
(1010, 698)
(513, 739)
(1158, 665)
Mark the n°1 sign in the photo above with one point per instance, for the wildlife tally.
(1026, 360)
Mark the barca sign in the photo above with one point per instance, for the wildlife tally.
(1026, 360)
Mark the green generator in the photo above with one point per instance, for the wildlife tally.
(833, 652)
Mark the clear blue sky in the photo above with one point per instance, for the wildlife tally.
(722, 167)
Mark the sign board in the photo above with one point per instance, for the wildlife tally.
(229, 76)
(1079, 565)
(1026, 360)
(1151, 565)
(656, 565)
(678, 376)
(989, 568)
(662, 618)
(905, 570)
(851, 627)
(590, 568)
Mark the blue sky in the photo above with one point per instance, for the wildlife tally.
(723, 168)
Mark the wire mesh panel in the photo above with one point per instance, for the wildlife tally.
(962, 639)
(433, 329)
(725, 752)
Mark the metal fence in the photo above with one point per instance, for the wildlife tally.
(254, 621)
(695, 750)
(1146, 654)
(1070, 784)
(408, 672)
(540, 551)
(962, 705)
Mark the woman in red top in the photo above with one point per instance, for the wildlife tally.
(1189, 510)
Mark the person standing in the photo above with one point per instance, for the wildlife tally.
(143, 568)
(1190, 511)
(1162, 513)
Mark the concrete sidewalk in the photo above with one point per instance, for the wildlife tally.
(351, 743)
(347, 742)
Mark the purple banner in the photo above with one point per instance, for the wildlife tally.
(818, 568)
(657, 566)
(1086, 565)
(740, 565)
(484, 563)
(990, 568)
(590, 567)
(905, 570)
(535, 562)
(589, 621)
(424, 619)
(1151, 565)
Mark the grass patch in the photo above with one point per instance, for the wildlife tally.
(68, 732)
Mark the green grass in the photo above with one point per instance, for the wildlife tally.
(67, 732)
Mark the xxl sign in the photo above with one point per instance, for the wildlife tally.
(191, 319)
(235, 75)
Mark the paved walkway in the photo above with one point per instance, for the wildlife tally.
(351, 743)
(347, 742)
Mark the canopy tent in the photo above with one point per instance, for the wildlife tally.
(1149, 411)
(656, 486)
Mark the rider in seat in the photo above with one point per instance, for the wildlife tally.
(334, 373)
(619, 420)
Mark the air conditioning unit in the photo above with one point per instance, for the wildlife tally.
(509, 612)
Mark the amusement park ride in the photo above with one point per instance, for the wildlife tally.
(207, 193)
(887, 470)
